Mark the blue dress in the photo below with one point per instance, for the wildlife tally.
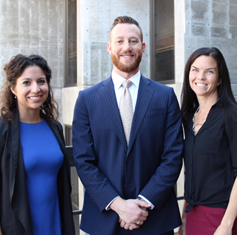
(42, 159)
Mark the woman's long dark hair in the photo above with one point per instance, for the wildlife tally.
(189, 99)
(14, 70)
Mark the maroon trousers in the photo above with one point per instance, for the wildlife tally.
(204, 220)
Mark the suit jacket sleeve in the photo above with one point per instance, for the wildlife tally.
(160, 185)
(85, 158)
(2, 143)
(1, 152)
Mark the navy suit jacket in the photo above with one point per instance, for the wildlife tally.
(149, 166)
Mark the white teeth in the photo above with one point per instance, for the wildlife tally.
(198, 84)
(35, 98)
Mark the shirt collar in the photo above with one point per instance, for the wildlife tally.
(118, 80)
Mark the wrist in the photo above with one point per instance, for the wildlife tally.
(227, 224)
(116, 203)
(142, 198)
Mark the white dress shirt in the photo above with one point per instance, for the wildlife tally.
(118, 88)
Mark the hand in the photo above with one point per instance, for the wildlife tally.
(223, 231)
(181, 230)
(131, 214)
(126, 226)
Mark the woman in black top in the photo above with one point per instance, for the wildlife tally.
(209, 113)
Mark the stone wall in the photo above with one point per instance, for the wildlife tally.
(213, 24)
(94, 62)
(33, 27)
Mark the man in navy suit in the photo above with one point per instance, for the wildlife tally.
(129, 186)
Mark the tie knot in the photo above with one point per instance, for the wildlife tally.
(126, 83)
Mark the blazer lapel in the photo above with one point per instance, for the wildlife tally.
(108, 97)
(18, 189)
(145, 94)
(15, 136)
(56, 131)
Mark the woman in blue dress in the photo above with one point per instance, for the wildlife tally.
(35, 173)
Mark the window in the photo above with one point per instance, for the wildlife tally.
(74, 178)
(163, 67)
(68, 135)
(71, 42)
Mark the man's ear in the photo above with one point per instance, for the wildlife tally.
(143, 47)
(109, 48)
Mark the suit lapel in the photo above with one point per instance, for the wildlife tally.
(145, 94)
(108, 98)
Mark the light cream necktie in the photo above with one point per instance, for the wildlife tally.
(126, 109)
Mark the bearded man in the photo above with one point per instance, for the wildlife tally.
(127, 144)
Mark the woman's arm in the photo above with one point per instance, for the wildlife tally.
(181, 230)
(225, 228)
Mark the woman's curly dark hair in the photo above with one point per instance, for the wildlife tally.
(14, 70)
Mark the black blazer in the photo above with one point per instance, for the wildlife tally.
(15, 216)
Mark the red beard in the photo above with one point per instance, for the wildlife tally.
(130, 67)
